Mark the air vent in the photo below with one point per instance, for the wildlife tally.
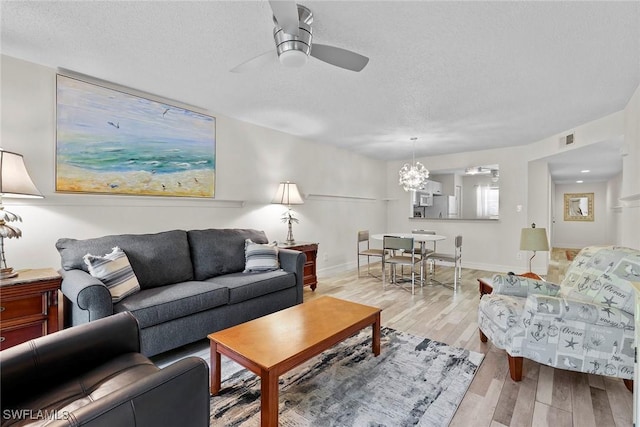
(567, 140)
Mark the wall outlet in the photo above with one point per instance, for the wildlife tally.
(325, 257)
(519, 255)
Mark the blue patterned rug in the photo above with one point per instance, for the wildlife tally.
(414, 381)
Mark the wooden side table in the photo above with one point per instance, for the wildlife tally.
(311, 251)
(29, 306)
(484, 286)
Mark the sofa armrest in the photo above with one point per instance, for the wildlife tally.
(52, 359)
(580, 311)
(293, 262)
(519, 286)
(175, 395)
(90, 299)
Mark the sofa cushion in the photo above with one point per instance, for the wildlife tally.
(165, 303)
(220, 251)
(243, 286)
(157, 259)
(260, 257)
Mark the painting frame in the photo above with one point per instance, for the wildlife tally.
(575, 204)
(112, 140)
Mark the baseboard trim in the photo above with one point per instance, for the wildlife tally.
(345, 267)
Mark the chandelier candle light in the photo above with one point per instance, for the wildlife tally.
(414, 176)
(288, 195)
(14, 182)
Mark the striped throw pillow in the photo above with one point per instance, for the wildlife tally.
(260, 257)
(115, 272)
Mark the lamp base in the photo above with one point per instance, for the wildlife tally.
(7, 273)
(289, 239)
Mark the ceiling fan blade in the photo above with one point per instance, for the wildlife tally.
(286, 13)
(256, 62)
(339, 57)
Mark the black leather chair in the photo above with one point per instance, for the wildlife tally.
(95, 375)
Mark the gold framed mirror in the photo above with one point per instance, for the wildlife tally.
(578, 206)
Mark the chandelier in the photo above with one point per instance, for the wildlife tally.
(414, 176)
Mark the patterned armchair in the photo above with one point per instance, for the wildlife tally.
(585, 324)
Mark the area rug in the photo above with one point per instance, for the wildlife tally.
(414, 381)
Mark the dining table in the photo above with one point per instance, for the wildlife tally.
(417, 237)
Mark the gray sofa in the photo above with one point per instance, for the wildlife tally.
(192, 283)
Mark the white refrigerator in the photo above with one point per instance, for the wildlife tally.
(443, 207)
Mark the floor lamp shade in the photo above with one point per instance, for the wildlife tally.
(533, 239)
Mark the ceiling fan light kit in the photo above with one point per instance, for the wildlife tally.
(293, 43)
(293, 50)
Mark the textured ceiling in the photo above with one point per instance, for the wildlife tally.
(460, 76)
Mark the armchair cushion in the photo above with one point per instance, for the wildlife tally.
(603, 277)
(595, 314)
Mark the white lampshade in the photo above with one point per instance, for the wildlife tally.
(14, 178)
(534, 239)
(288, 194)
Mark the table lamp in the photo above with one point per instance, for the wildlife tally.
(14, 182)
(288, 195)
(533, 239)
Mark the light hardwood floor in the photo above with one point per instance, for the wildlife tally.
(545, 397)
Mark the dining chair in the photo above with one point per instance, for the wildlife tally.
(425, 250)
(455, 258)
(363, 236)
(409, 257)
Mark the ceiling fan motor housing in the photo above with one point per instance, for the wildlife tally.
(293, 51)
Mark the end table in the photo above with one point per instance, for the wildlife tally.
(311, 251)
(484, 285)
(29, 306)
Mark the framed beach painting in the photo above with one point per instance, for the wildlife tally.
(109, 141)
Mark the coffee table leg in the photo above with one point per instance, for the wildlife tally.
(215, 368)
(269, 399)
(375, 341)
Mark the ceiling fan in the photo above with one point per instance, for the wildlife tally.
(292, 35)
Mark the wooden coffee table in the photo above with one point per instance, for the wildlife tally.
(274, 344)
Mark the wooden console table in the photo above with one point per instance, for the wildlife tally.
(311, 251)
(29, 306)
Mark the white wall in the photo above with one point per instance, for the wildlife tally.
(630, 194)
(578, 234)
(251, 160)
(348, 192)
